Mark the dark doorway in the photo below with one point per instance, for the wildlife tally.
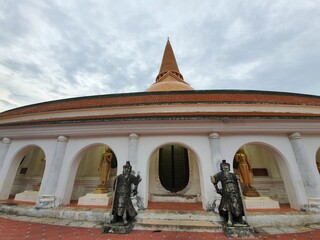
(173, 168)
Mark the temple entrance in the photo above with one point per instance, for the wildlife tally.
(28, 177)
(174, 175)
(95, 176)
(318, 160)
(259, 172)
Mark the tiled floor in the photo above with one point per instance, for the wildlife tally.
(16, 228)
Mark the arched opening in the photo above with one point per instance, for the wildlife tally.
(318, 160)
(95, 176)
(173, 168)
(174, 175)
(29, 175)
(263, 172)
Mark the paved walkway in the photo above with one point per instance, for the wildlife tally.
(14, 225)
(22, 227)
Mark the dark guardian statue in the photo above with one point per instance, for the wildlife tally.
(231, 207)
(123, 212)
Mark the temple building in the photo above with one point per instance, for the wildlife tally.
(174, 136)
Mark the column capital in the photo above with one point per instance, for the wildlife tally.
(295, 135)
(214, 135)
(134, 135)
(6, 140)
(63, 139)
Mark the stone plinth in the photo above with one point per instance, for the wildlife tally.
(117, 228)
(94, 199)
(250, 192)
(314, 203)
(260, 202)
(174, 198)
(27, 196)
(238, 231)
(101, 189)
(46, 201)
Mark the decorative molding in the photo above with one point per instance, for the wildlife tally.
(133, 136)
(6, 140)
(189, 126)
(295, 135)
(63, 139)
(214, 135)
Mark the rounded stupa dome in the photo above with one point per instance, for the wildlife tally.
(169, 85)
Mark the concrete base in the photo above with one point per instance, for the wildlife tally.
(193, 225)
(117, 228)
(314, 204)
(238, 231)
(260, 203)
(93, 199)
(27, 196)
(174, 198)
(46, 201)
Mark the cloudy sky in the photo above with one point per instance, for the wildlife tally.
(60, 49)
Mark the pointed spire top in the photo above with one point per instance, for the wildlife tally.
(169, 77)
(169, 62)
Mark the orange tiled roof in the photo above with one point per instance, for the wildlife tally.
(156, 98)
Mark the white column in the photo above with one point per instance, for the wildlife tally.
(308, 173)
(216, 156)
(4, 149)
(133, 151)
(216, 159)
(133, 158)
(51, 175)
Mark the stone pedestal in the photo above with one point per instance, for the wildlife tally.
(241, 231)
(250, 192)
(46, 201)
(93, 199)
(101, 189)
(260, 202)
(27, 196)
(117, 228)
(36, 187)
(314, 204)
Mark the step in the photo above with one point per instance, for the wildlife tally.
(179, 215)
(177, 225)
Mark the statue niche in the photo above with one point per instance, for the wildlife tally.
(242, 168)
(104, 170)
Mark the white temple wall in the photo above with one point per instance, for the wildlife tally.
(284, 166)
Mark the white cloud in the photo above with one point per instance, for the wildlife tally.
(56, 49)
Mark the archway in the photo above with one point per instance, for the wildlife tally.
(29, 174)
(318, 160)
(90, 173)
(174, 175)
(266, 176)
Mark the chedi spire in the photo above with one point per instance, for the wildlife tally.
(169, 77)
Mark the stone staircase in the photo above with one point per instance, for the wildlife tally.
(166, 220)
